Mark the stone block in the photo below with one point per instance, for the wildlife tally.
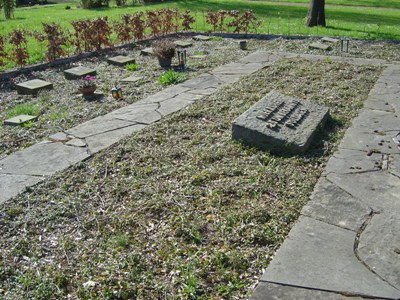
(20, 120)
(330, 40)
(183, 44)
(147, 51)
(320, 46)
(280, 123)
(32, 87)
(121, 60)
(201, 38)
(78, 72)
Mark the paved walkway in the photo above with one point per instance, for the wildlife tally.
(346, 244)
(347, 241)
(32, 165)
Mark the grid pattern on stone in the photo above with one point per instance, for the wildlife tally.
(279, 113)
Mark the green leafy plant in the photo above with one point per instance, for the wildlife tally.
(8, 7)
(131, 67)
(170, 77)
(23, 109)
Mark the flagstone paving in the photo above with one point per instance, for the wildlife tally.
(345, 244)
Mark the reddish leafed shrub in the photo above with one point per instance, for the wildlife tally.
(102, 31)
(153, 21)
(123, 28)
(212, 18)
(187, 20)
(56, 39)
(20, 53)
(169, 19)
(248, 20)
(138, 25)
(3, 53)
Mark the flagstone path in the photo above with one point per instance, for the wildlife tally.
(346, 242)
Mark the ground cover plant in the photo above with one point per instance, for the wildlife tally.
(178, 210)
(270, 17)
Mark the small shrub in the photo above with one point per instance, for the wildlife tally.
(120, 2)
(187, 20)
(67, 7)
(3, 53)
(56, 39)
(20, 54)
(170, 77)
(131, 67)
(23, 109)
(8, 7)
(164, 49)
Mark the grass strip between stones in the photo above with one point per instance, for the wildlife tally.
(178, 210)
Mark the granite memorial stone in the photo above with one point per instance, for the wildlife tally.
(279, 123)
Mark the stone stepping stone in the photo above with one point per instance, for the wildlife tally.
(201, 38)
(31, 87)
(330, 40)
(320, 46)
(183, 44)
(79, 72)
(147, 51)
(59, 137)
(20, 120)
(76, 143)
(121, 60)
(131, 79)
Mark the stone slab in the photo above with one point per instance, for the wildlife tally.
(183, 44)
(273, 291)
(379, 246)
(279, 123)
(42, 159)
(131, 79)
(379, 190)
(332, 205)
(79, 72)
(320, 46)
(121, 60)
(177, 103)
(320, 256)
(76, 143)
(330, 40)
(201, 38)
(59, 137)
(32, 87)
(202, 82)
(147, 51)
(138, 113)
(96, 126)
(237, 68)
(165, 94)
(104, 140)
(260, 57)
(11, 185)
(20, 120)
(346, 161)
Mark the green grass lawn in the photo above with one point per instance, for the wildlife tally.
(277, 18)
(382, 3)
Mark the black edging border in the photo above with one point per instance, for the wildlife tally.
(64, 61)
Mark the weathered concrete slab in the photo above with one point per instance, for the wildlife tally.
(379, 190)
(165, 94)
(379, 246)
(42, 159)
(201, 38)
(138, 113)
(394, 164)
(20, 120)
(96, 126)
(183, 44)
(332, 205)
(78, 72)
(204, 92)
(11, 185)
(106, 139)
(320, 46)
(346, 161)
(32, 87)
(237, 68)
(177, 103)
(59, 137)
(202, 82)
(279, 123)
(272, 291)
(320, 256)
(121, 60)
(131, 79)
(260, 57)
(76, 143)
(147, 51)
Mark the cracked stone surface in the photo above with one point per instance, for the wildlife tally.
(103, 140)
(272, 291)
(76, 143)
(379, 246)
(11, 185)
(138, 113)
(42, 159)
(320, 256)
(332, 205)
(96, 126)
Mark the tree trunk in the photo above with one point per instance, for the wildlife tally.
(316, 13)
